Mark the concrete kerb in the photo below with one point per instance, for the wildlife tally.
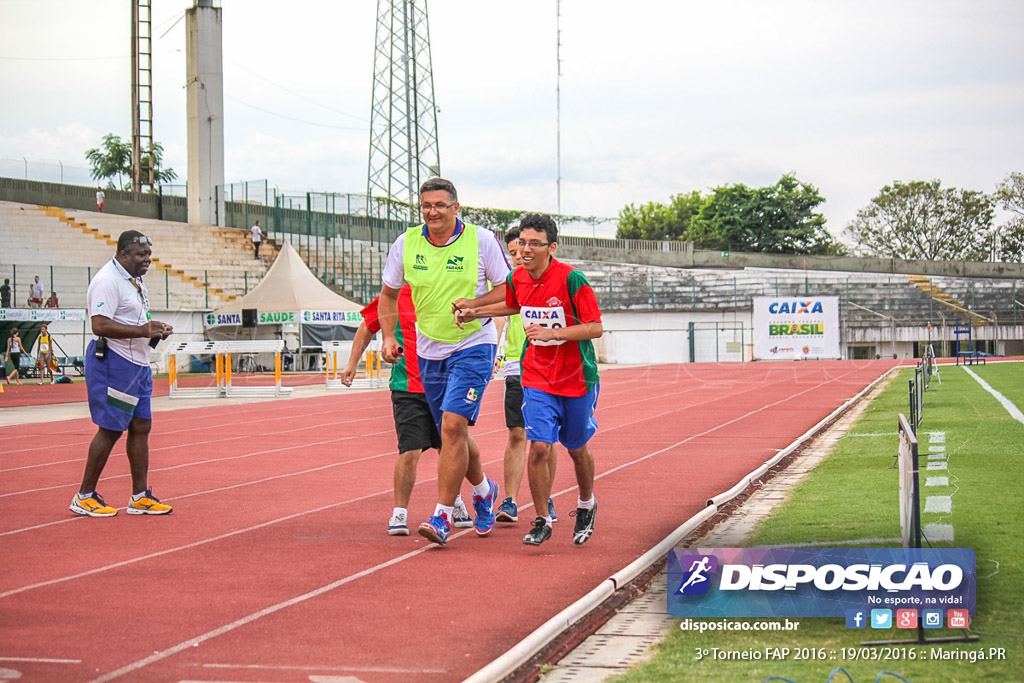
(521, 653)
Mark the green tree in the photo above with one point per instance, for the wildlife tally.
(727, 219)
(657, 221)
(1010, 194)
(113, 159)
(923, 220)
(775, 219)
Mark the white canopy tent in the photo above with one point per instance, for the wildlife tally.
(290, 303)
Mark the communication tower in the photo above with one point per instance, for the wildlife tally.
(142, 95)
(403, 117)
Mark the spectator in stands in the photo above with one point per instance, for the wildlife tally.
(99, 199)
(257, 237)
(44, 354)
(117, 375)
(13, 354)
(52, 301)
(36, 294)
(5, 293)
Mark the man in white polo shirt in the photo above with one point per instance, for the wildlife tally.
(118, 377)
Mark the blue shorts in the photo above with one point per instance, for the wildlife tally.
(568, 419)
(456, 384)
(119, 390)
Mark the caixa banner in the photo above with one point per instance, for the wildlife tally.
(818, 582)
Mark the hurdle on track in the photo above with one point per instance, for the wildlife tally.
(336, 356)
(222, 350)
(192, 348)
(275, 346)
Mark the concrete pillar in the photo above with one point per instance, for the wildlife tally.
(205, 84)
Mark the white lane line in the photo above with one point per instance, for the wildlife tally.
(1013, 410)
(333, 667)
(40, 660)
(248, 619)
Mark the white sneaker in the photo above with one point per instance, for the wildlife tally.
(397, 525)
(460, 516)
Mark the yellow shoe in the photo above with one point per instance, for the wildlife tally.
(148, 505)
(93, 506)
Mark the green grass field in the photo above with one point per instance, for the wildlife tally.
(853, 495)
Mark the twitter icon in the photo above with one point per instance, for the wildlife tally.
(881, 618)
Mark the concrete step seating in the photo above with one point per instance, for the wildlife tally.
(628, 287)
(82, 241)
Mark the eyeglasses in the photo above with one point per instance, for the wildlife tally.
(427, 208)
(532, 244)
(143, 240)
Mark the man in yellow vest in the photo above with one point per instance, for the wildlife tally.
(444, 260)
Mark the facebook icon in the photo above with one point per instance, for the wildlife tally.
(856, 618)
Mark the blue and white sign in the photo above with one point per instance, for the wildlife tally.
(817, 582)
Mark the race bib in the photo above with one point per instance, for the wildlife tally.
(44, 347)
(550, 317)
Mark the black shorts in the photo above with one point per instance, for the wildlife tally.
(16, 360)
(514, 402)
(413, 422)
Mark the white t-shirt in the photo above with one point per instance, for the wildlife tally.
(255, 233)
(112, 295)
(37, 290)
(99, 197)
(491, 268)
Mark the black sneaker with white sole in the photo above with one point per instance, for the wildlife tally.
(540, 532)
(584, 524)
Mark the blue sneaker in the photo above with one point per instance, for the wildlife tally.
(551, 511)
(436, 529)
(508, 512)
(484, 507)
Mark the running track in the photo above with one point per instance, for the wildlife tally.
(275, 565)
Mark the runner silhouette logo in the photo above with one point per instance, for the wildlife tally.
(696, 578)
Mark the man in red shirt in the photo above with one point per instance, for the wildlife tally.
(414, 422)
(560, 315)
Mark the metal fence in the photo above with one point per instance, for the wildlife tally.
(69, 284)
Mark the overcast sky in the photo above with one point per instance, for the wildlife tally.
(658, 97)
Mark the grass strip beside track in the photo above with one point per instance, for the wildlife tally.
(853, 495)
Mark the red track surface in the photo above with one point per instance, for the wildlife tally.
(275, 564)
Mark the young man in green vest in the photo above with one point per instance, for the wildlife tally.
(444, 260)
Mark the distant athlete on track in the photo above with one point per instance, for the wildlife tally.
(444, 259)
(414, 424)
(560, 381)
